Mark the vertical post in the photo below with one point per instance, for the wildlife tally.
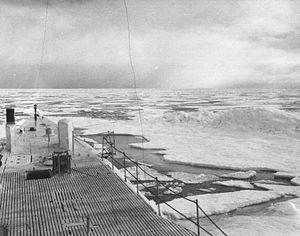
(35, 115)
(124, 166)
(108, 142)
(198, 225)
(73, 143)
(112, 161)
(30, 152)
(48, 134)
(102, 147)
(111, 150)
(157, 193)
(114, 142)
(58, 160)
(137, 176)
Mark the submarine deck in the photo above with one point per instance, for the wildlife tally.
(90, 200)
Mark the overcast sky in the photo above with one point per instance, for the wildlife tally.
(175, 43)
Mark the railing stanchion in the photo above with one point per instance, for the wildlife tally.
(124, 166)
(102, 154)
(157, 193)
(137, 176)
(73, 143)
(112, 161)
(198, 224)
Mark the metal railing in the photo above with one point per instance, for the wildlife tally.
(109, 153)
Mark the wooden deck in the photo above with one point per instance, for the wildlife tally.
(90, 197)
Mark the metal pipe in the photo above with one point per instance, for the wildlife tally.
(73, 143)
(124, 166)
(198, 224)
(157, 192)
(48, 142)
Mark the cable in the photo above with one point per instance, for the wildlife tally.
(43, 45)
(133, 74)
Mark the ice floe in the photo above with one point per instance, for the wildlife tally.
(241, 174)
(230, 149)
(285, 175)
(278, 219)
(146, 145)
(296, 180)
(207, 190)
(147, 186)
(173, 190)
(218, 203)
(282, 189)
(235, 183)
(268, 181)
(192, 178)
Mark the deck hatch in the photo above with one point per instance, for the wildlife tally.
(38, 174)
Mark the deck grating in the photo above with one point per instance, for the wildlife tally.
(60, 206)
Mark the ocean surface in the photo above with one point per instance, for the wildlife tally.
(123, 104)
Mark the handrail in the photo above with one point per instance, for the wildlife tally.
(211, 220)
(156, 196)
(174, 209)
(177, 194)
(113, 147)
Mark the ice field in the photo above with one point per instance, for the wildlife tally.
(238, 130)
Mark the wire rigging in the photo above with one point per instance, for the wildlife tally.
(138, 103)
(43, 45)
(133, 73)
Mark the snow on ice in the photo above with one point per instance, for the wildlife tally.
(281, 189)
(218, 203)
(192, 178)
(296, 180)
(241, 175)
(285, 175)
(278, 219)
